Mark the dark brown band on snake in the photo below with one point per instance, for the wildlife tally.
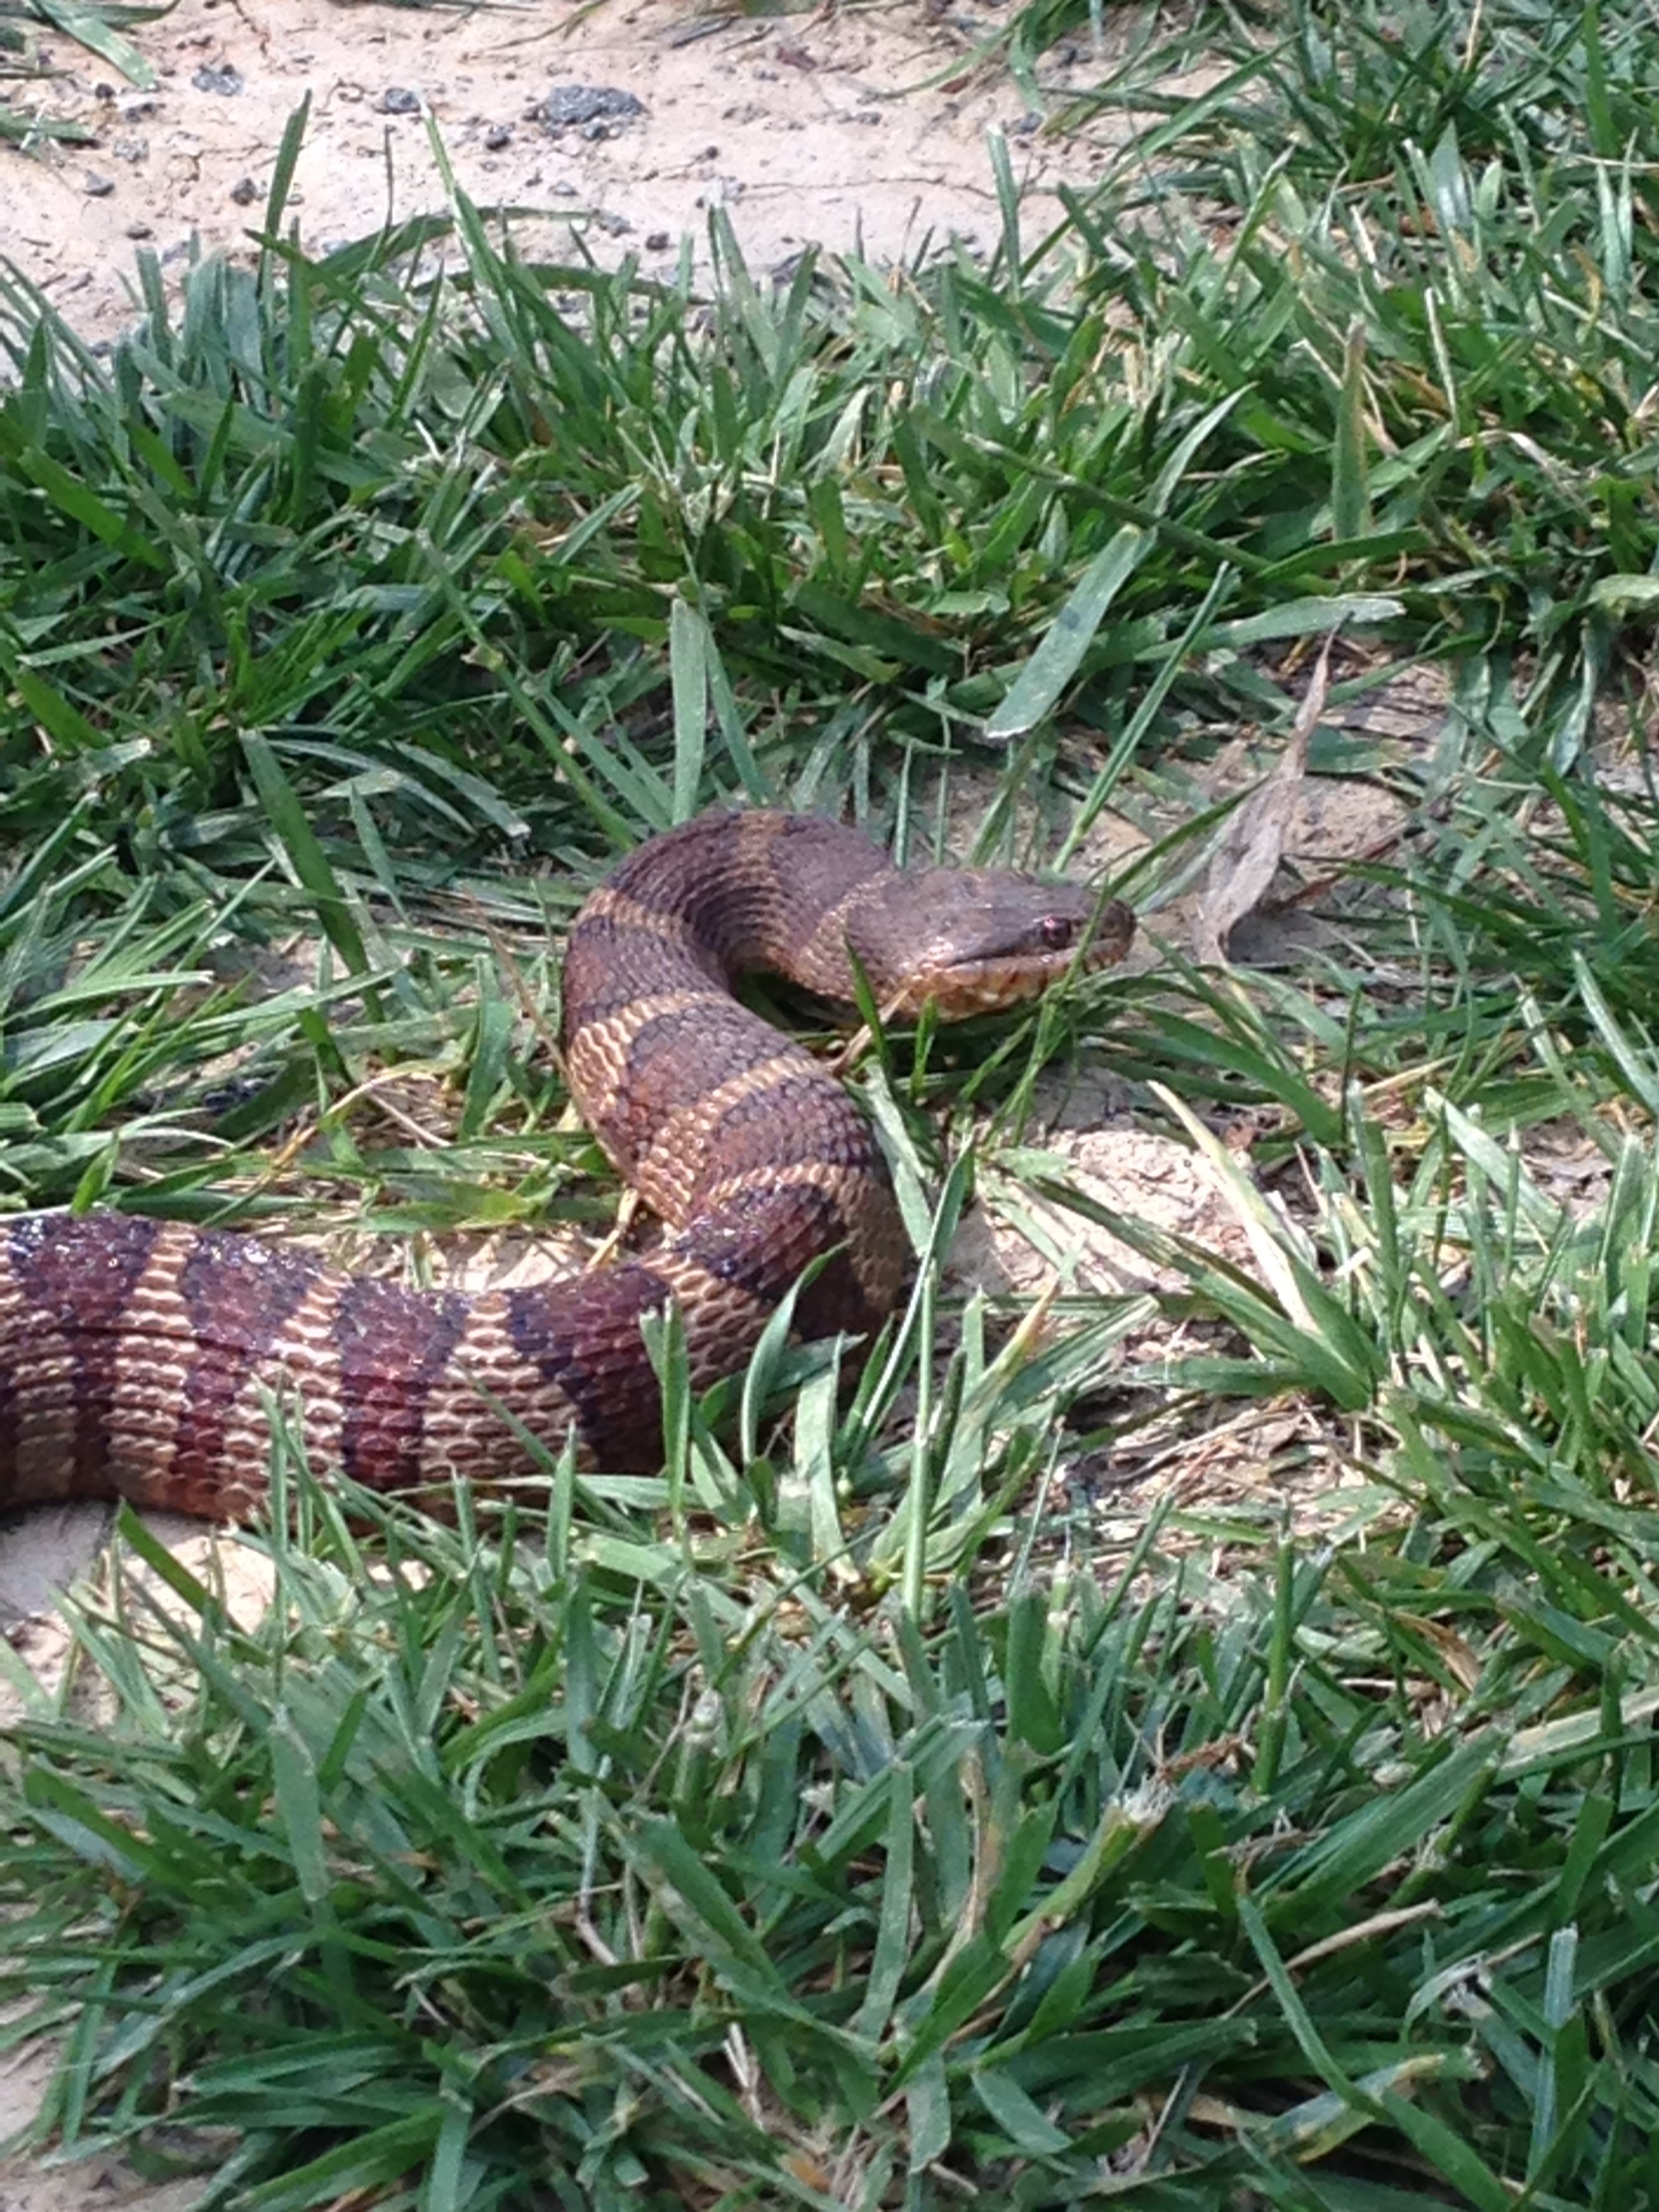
(134, 1353)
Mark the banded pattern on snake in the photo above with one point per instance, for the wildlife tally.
(132, 1352)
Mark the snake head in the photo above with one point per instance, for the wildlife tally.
(970, 941)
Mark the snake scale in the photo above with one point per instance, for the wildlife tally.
(133, 1351)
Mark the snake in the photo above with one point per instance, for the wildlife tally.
(140, 1357)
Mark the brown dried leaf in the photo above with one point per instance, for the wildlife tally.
(1247, 859)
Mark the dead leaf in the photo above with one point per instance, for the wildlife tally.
(1247, 859)
(1459, 1660)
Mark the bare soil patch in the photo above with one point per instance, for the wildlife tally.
(608, 130)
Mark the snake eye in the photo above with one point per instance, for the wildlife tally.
(1056, 932)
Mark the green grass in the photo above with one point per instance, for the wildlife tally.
(849, 1815)
(100, 29)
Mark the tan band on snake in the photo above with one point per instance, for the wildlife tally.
(133, 1353)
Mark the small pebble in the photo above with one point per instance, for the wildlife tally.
(570, 107)
(224, 80)
(245, 191)
(398, 100)
(139, 230)
(658, 242)
(97, 187)
(499, 135)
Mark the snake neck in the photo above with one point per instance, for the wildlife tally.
(729, 894)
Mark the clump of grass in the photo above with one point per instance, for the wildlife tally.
(1388, 388)
(100, 29)
(582, 1865)
(575, 1868)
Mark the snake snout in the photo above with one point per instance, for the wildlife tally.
(985, 940)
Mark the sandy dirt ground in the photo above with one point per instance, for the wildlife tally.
(621, 127)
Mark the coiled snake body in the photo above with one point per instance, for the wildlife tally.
(133, 1351)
